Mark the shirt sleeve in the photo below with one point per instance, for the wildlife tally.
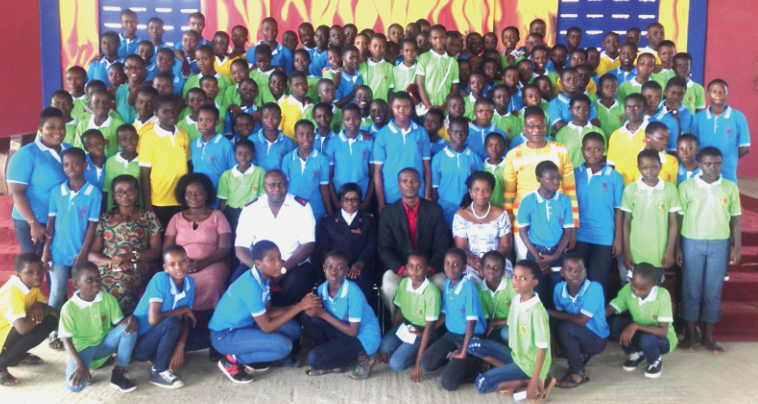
(665, 311)
(735, 207)
(421, 66)
(20, 168)
(222, 225)
(52, 206)
(557, 297)
(524, 215)
(12, 306)
(306, 232)
(95, 205)
(554, 111)
(154, 290)
(146, 148)
(568, 185)
(426, 146)
(245, 235)
(473, 310)
(699, 97)
(432, 303)
(611, 154)
(436, 170)
(454, 74)
(627, 200)
(355, 302)
(684, 200)
(744, 132)
(510, 181)
(673, 196)
(620, 302)
(114, 310)
(223, 186)
(593, 112)
(286, 160)
(541, 329)
(379, 153)
(254, 300)
(66, 324)
(618, 189)
(594, 300)
(323, 171)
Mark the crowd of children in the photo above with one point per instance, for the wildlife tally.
(603, 158)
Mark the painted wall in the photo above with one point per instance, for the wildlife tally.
(732, 54)
(21, 97)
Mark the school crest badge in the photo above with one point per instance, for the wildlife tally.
(421, 311)
(662, 207)
(522, 329)
(724, 202)
(506, 303)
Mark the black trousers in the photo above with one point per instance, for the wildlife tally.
(17, 345)
(598, 259)
(232, 216)
(165, 213)
(334, 349)
(291, 287)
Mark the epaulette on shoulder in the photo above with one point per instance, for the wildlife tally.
(367, 214)
(251, 202)
(301, 201)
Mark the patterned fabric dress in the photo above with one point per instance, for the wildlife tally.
(123, 237)
(482, 238)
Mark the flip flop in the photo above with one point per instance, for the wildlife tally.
(363, 369)
(29, 360)
(314, 372)
(686, 346)
(715, 348)
(8, 380)
(549, 385)
(55, 344)
(568, 382)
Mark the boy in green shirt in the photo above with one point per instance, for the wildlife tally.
(645, 65)
(123, 162)
(88, 333)
(505, 120)
(694, 95)
(188, 118)
(610, 112)
(572, 134)
(100, 119)
(650, 207)
(496, 293)
(524, 367)
(76, 79)
(64, 102)
(494, 146)
(436, 71)
(711, 218)
(205, 59)
(413, 326)
(240, 70)
(326, 93)
(404, 74)
(301, 61)
(650, 332)
(376, 72)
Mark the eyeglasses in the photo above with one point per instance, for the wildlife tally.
(351, 200)
(533, 127)
(128, 67)
(130, 192)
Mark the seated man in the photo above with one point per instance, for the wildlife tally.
(288, 221)
(410, 224)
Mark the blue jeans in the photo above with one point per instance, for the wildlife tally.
(653, 347)
(575, 341)
(158, 343)
(115, 341)
(547, 282)
(58, 276)
(599, 260)
(500, 335)
(333, 348)
(403, 355)
(488, 381)
(24, 235)
(456, 371)
(703, 272)
(252, 345)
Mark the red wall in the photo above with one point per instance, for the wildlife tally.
(732, 54)
(21, 96)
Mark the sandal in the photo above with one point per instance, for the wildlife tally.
(29, 360)
(363, 369)
(314, 372)
(549, 385)
(55, 343)
(7, 380)
(715, 348)
(687, 346)
(568, 382)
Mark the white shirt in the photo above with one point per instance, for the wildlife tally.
(292, 227)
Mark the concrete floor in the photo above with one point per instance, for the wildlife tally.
(687, 378)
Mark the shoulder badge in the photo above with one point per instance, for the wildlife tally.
(251, 202)
(301, 200)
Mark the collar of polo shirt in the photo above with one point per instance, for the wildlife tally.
(582, 290)
(83, 304)
(577, 127)
(540, 199)
(658, 186)
(405, 68)
(55, 154)
(119, 158)
(371, 63)
(702, 184)
(344, 286)
(216, 138)
(650, 296)
(16, 281)
(524, 306)
(163, 133)
(420, 290)
(237, 173)
(503, 284)
(93, 125)
(726, 114)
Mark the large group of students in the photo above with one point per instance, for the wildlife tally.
(620, 138)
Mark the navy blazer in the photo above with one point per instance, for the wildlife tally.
(358, 239)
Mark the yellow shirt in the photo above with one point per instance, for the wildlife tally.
(292, 111)
(607, 64)
(520, 179)
(224, 66)
(669, 169)
(591, 87)
(166, 153)
(621, 151)
(15, 300)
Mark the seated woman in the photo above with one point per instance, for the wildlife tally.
(479, 226)
(205, 234)
(127, 242)
(353, 232)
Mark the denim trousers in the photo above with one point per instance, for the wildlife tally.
(547, 282)
(115, 341)
(598, 259)
(402, 354)
(456, 371)
(488, 381)
(252, 345)
(653, 347)
(703, 273)
(58, 276)
(334, 349)
(576, 341)
(158, 343)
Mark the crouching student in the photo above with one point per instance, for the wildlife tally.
(496, 293)
(25, 319)
(413, 327)
(523, 365)
(92, 328)
(345, 330)
(164, 316)
(463, 317)
(246, 329)
(580, 313)
(650, 332)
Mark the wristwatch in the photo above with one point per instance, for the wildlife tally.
(136, 256)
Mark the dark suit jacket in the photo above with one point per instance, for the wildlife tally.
(358, 239)
(394, 241)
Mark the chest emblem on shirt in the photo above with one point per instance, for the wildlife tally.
(345, 317)
(655, 317)
(662, 207)
(724, 202)
(561, 219)
(104, 318)
(213, 159)
(83, 211)
(605, 187)
(522, 329)
(506, 303)
(729, 132)
(420, 311)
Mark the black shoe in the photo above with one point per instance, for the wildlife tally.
(654, 371)
(233, 370)
(634, 361)
(121, 383)
(257, 368)
(165, 379)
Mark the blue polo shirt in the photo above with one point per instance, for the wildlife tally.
(162, 289)
(546, 218)
(280, 56)
(212, 158)
(477, 136)
(450, 170)
(306, 177)
(675, 127)
(94, 174)
(521, 139)
(176, 71)
(73, 211)
(229, 120)
(726, 132)
(590, 301)
(98, 70)
(128, 47)
(156, 48)
(622, 76)
(558, 110)
(269, 155)
(319, 142)
(350, 306)
(681, 176)
(372, 129)
(517, 100)
(396, 149)
(461, 304)
(438, 146)
(350, 159)
(202, 41)
(245, 299)
(598, 195)
(347, 84)
(318, 61)
(40, 169)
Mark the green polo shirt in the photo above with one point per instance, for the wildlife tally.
(628, 87)
(403, 76)
(440, 73)
(652, 310)
(496, 304)
(610, 118)
(115, 166)
(528, 332)
(508, 123)
(571, 136)
(238, 188)
(108, 129)
(663, 77)
(189, 125)
(650, 208)
(264, 93)
(418, 305)
(87, 323)
(194, 82)
(694, 96)
(378, 77)
(336, 117)
(708, 208)
(497, 198)
(468, 107)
